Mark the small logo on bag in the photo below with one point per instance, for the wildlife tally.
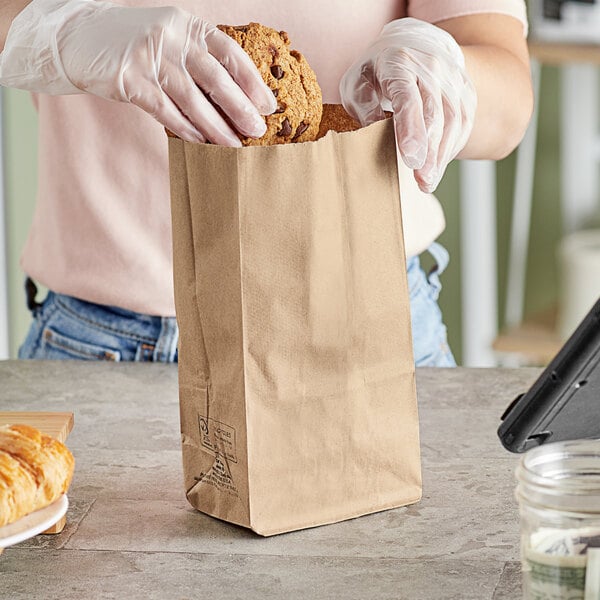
(218, 438)
(219, 476)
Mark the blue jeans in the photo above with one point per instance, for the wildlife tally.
(430, 341)
(67, 328)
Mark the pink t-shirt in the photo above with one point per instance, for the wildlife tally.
(101, 229)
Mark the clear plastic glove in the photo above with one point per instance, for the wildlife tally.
(175, 66)
(418, 69)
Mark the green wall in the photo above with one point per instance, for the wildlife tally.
(21, 164)
(541, 291)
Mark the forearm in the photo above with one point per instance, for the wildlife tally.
(9, 9)
(499, 70)
(504, 102)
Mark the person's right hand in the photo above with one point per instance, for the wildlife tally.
(191, 77)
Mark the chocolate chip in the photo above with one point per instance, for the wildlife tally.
(286, 128)
(275, 93)
(280, 108)
(301, 129)
(277, 71)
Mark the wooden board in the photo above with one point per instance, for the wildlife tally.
(535, 340)
(560, 53)
(55, 424)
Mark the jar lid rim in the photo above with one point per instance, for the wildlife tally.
(578, 480)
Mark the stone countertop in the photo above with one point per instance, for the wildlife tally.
(131, 534)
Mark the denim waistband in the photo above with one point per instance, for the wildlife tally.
(159, 335)
(110, 318)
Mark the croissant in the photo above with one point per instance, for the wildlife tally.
(35, 470)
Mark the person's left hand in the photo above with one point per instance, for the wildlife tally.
(419, 69)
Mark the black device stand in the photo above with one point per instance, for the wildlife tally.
(564, 402)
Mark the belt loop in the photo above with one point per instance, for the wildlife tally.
(441, 257)
(31, 292)
(166, 344)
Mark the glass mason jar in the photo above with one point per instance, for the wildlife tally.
(558, 491)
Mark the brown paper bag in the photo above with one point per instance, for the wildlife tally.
(296, 373)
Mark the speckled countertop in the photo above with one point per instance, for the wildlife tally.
(131, 534)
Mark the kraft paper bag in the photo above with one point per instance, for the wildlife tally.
(296, 372)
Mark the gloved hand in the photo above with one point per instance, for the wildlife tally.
(420, 70)
(162, 59)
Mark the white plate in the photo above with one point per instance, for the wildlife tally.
(32, 524)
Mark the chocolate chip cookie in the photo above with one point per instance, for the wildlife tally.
(335, 118)
(293, 82)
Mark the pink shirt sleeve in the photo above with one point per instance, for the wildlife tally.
(433, 11)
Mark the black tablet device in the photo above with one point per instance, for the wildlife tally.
(564, 402)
